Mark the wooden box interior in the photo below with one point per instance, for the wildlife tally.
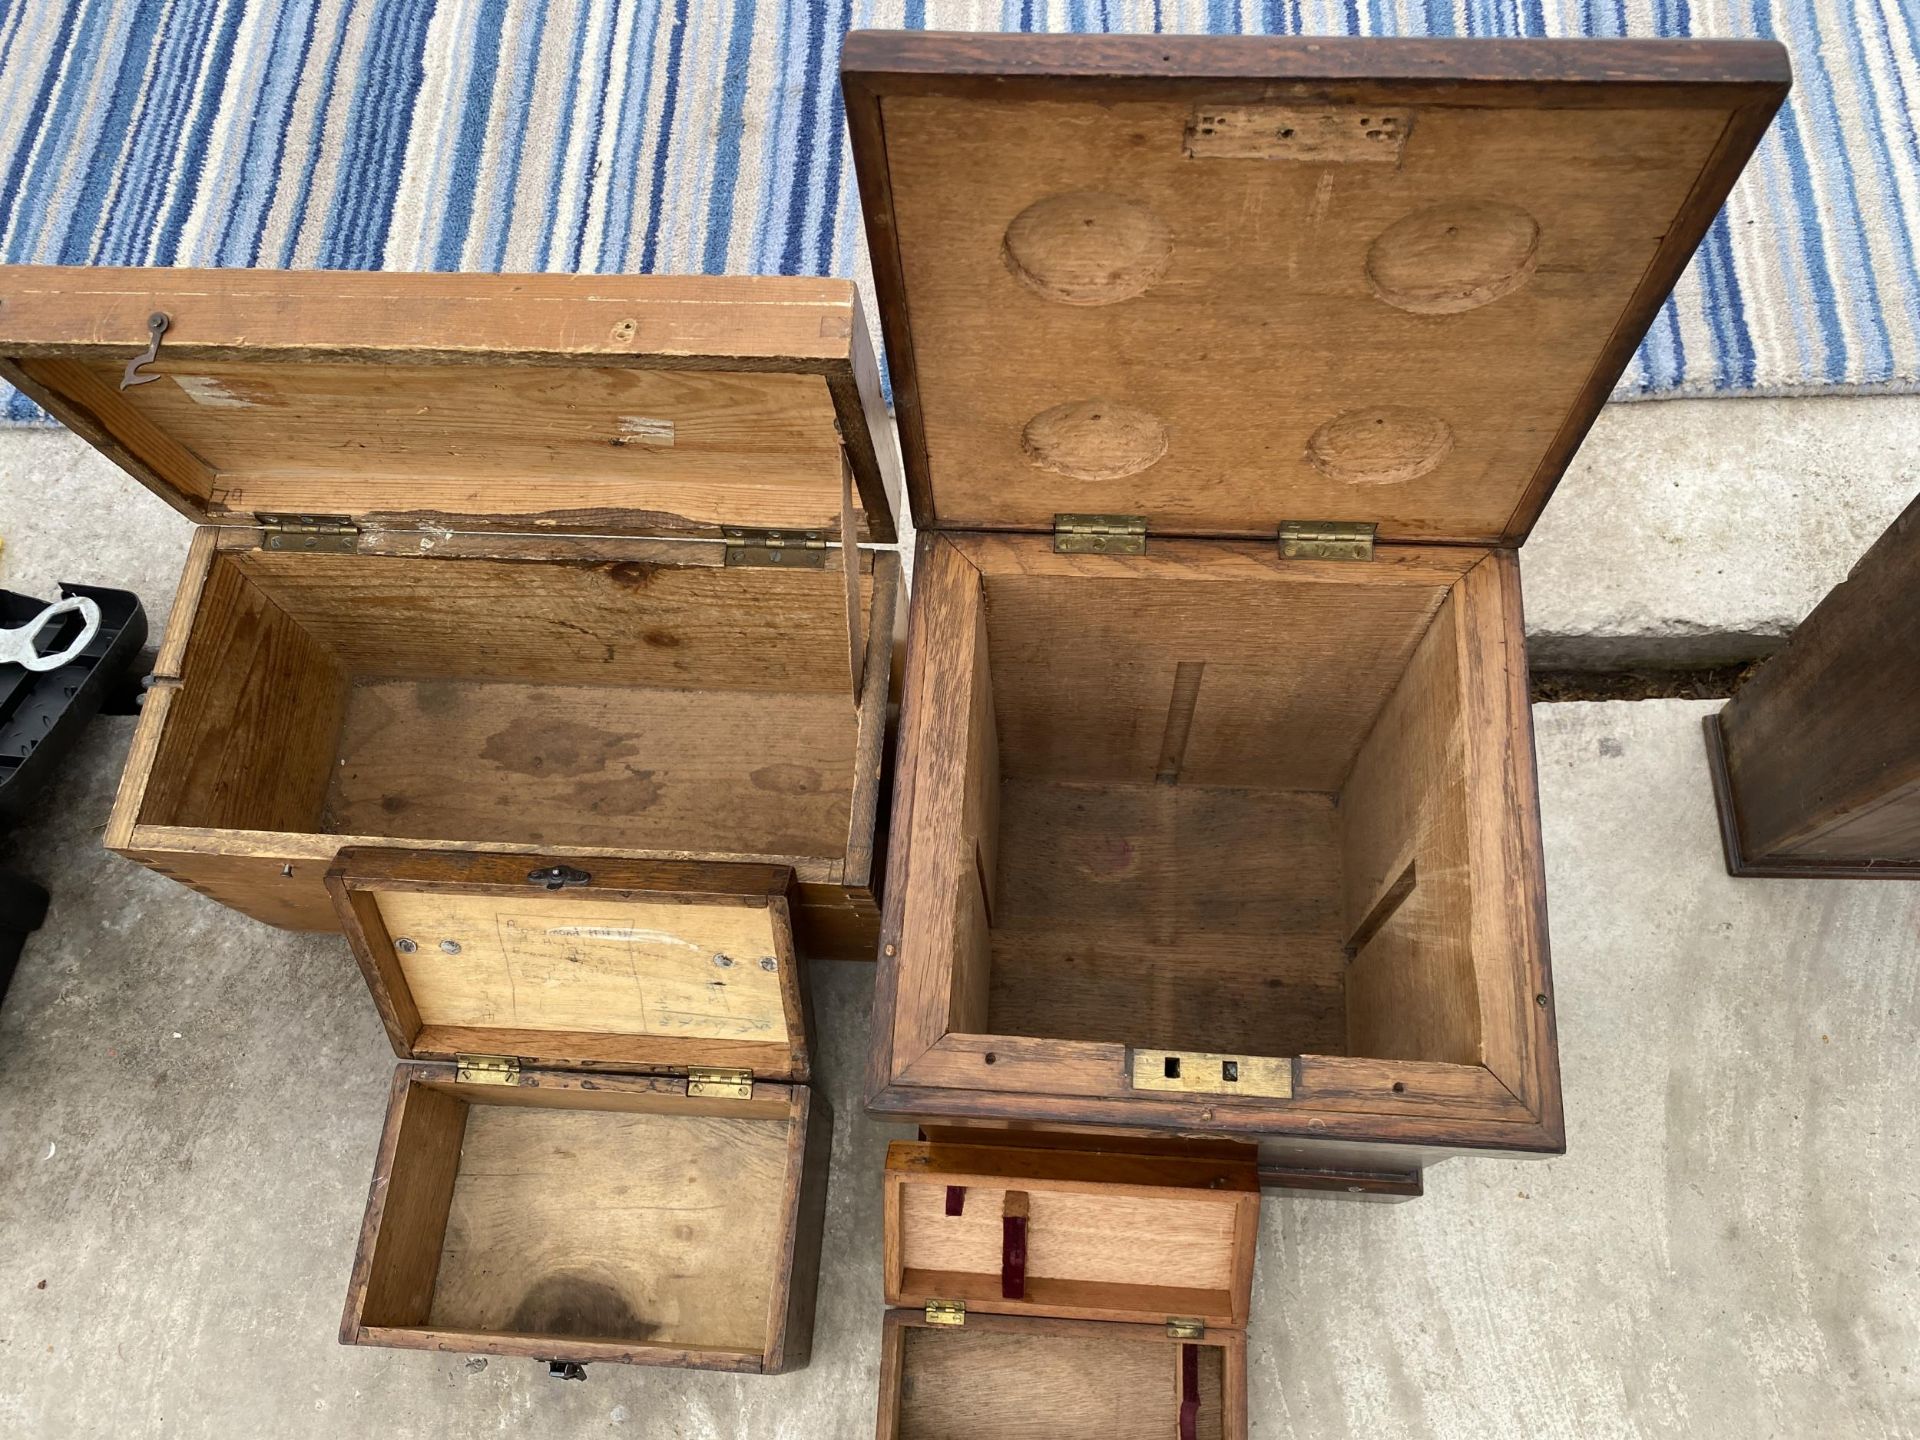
(1053, 1380)
(619, 1220)
(1212, 801)
(647, 706)
(1137, 1238)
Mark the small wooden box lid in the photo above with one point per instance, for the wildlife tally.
(593, 404)
(1223, 283)
(1145, 1238)
(619, 965)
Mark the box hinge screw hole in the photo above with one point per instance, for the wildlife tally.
(1399, 1087)
(1230, 1070)
(406, 946)
(1171, 1067)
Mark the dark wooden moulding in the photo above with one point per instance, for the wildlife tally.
(488, 562)
(1232, 835)
(1816, 759)
(601, 1142)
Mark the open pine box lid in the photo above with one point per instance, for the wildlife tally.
(1070, 1234)
(662, 967)
(562, 404)
(1226, 284)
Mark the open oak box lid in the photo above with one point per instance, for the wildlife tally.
(1072, 1234)
(1223, 283)
(569, 404)
(658, 967)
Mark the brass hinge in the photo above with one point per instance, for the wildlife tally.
(1182, 1329)
(714, 1082)
(1099, 534)
(1326, 540)
(486, 1070)
(789, 549)
(334, 534)
(946, 1312)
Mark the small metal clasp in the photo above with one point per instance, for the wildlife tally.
(158, 324)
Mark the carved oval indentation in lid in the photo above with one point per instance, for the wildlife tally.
(1087, 248)
(1380, 445)
(1453, 257)
(1094, 439)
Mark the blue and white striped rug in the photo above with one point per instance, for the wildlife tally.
(701, 135)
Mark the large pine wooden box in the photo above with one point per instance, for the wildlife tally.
(568, 563)
(1231, 375)
(1077, 1294)
(601, 1143)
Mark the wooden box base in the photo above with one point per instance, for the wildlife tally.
(593, 1218)
(1014, 1377)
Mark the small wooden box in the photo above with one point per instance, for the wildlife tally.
(601, 1144)
(494, 562)
(1231, 374)
(1066, 1293)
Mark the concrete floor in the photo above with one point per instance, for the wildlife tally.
(1731, 1247)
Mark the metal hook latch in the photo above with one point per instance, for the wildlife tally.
(556, 877)
(157, 325)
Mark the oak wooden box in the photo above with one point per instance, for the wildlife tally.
(1066, 1293)
(601, 1144)
(1231, 374)
(494, 563)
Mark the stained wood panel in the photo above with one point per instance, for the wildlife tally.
(1406, 871)
(593, 403)
(252, 728)
(1169, 916)
(597, 1225)
(644, 769)
(1147, 276)
(1098, 1239)
(1822, 743)
(612, 967)
(1295, 657)
(421, 1153)
(631, 623)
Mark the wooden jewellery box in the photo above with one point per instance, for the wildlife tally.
(600, 1144)
(1074, 1295)
(494, 562)
(1231, 374)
